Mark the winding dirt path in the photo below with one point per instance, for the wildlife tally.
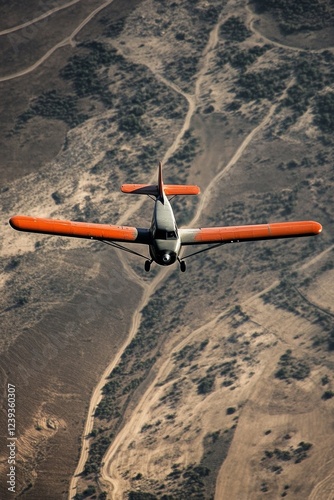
(139, 416)
(109, 478)
(37, 19)
(250, 24)
(316, 258)
(110, 481)
(237, 155)
(69, 40)
(324, 489)
(147, 293)
(97, 393)
(239, 152)
(149, 289)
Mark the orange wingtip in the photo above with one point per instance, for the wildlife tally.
(74, 229)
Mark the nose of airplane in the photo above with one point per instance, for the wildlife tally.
(166, 258)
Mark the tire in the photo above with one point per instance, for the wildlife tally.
(147, 266)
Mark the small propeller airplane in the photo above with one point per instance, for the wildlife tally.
(164, 239)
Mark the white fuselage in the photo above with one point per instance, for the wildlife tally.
(166, 243)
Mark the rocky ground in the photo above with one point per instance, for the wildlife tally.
(201, 378)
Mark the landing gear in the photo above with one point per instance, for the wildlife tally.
(147, 265)
(183, 266)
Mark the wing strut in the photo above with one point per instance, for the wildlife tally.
(205, 249)
(120, 247)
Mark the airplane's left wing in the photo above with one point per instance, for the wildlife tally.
(80, 229)
(232, 234)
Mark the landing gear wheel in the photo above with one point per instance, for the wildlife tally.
(147, 266)
(183, 266)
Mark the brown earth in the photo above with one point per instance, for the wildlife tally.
(210, 409)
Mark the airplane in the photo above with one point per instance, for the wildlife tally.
(164, 239)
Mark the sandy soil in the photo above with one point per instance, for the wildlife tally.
(211, 400)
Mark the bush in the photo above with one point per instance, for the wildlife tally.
(138, 495)
(13, 263)
(262, 84)
(53, 105)
(57, 197)
(291, 367)
(205, 385)
(324, 112)
(327, 395)
(234, 30)
(298, 16)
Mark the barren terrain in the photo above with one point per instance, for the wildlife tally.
(215, 383)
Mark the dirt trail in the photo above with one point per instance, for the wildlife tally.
(69, 40)
(139, 415)
(149, 290)
(324, 489)
(39, 18)
(97, 394)
(208, 192)
(250, 24)
(237, 155)
(191, 100)
(32, 68)
(316, 258)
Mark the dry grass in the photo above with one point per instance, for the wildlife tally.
(208, 405)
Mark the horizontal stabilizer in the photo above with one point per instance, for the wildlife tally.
(151, 189)
(174, 189)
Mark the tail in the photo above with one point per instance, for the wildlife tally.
(161, 188)
(160, 182)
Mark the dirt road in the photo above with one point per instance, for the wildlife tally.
(69, 40)
(108, 476)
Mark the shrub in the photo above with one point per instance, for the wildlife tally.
(138, 495)
(327, 395)
(234, 30)
(324, 112)
(205, 384)
(291, 367)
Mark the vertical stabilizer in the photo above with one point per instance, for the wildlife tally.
(160, 182)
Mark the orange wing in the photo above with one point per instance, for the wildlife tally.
(79, 229)
(231, 234)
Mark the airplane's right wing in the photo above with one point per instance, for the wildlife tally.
(234, 234)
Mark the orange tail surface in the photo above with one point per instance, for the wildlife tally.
(160, 188)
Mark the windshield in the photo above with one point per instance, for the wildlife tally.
(162, 234)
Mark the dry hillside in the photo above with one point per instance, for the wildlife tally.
(214, 383)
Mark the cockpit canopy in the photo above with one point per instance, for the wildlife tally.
(163, 234)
